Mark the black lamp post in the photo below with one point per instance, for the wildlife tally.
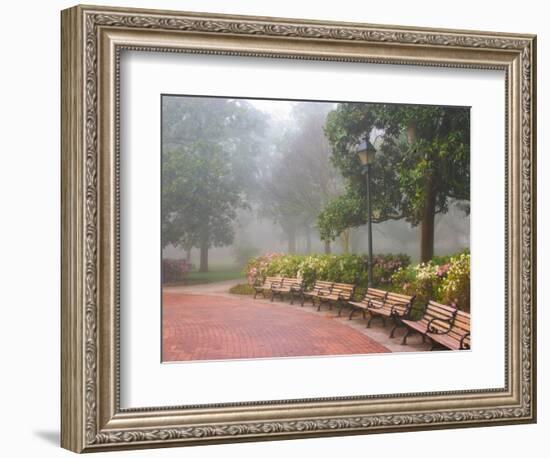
(366, 152)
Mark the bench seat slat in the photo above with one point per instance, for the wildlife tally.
(360, 305)
(446, 340)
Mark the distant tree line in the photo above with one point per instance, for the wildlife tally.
(209, 159)
(221, 156)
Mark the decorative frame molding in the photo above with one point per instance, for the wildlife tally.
(92, 38)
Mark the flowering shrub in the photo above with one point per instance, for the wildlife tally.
(256, 268)
(455, 287)
(421, 280)
(448, 283)
(175, 270)
(346, 268)
(384, 266)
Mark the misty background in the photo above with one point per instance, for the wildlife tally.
(280, 160)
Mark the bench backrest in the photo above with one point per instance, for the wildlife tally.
(270, 281)
(344, 290)
(373, 294)
(399, 303)
(321, 284)
(442, 312)
(290, 282)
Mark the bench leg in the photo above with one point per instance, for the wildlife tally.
(321, 303)
(407, 334)
(396, 324)
(291, 298)
(351, 313)
(341, 306)
(373, 316)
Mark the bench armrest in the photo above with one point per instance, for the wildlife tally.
(433, 330)
(297, 287)
(464, 346)
(401, 314)
(323, 292)
(276, 284)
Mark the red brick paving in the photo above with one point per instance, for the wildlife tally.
(201, 327)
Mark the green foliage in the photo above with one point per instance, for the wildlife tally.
(208, 159)
(421, 280)
(200, 197)
(346, 268)
(385, 265)
(447, 283)
(214, 275)
(339, 214)
(456, 284)
(256, 268)
(243, 289)
(423, 153)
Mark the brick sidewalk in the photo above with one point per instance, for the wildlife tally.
(200, 327)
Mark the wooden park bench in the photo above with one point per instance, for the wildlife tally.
(457, 335)
(436, 317)
(291, 286)
(266, 285)
(396, 306)
(340, 293)
(318, 287)
(376, 296)
(384, 304)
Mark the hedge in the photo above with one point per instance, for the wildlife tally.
(346, 268)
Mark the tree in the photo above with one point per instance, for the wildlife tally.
(208, 162)
(299, 179)
(422, 164)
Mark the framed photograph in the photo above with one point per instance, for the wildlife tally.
(278, 228)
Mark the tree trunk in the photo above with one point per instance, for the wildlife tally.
(353, 241)
(344, 237)
(188, 255)
(203, 267)
(308, 241)
(427, 228)
(327, 247)
(427, 224)
(291, 233)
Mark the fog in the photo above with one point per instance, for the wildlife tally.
(452, 234)
(286, 175)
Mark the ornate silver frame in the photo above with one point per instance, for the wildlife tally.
(92, 38)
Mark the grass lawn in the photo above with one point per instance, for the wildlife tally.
(217, 273)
